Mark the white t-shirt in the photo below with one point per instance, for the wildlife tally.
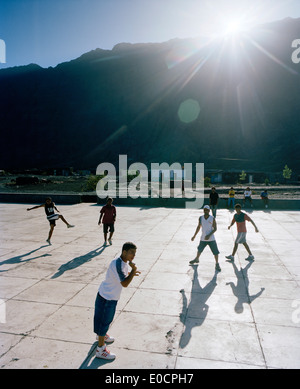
(247, 193)
(207, 227)
(111, 287)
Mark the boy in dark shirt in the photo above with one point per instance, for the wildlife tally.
(108, 212)
(213, 201)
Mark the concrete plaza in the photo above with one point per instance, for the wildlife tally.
(173, 315)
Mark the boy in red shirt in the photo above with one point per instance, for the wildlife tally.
(108, 212)
(240, 219)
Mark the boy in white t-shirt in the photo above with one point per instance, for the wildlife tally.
(247, 196)
(209, 227)
(109, 292)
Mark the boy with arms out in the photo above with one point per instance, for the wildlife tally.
(209, 227)
(49, 207)
(240, 219)
(109, 292)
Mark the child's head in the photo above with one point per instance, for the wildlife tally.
(238, 208)
(109, 201)
(128, 251)
(48, 200)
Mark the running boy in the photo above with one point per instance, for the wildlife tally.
(240, 219)
(51, 216)
(109, 213)
(109, 292)
(209, 227)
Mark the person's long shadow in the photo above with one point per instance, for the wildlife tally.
(78, 261)
(199, 297)
(22, 258)
(238, 290)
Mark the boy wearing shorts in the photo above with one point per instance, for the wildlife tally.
(109, 292)
(209, 227)
(109, 213)
(240, 219)
(49, 207)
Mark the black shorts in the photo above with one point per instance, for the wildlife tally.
(52, 218)
(110, 226)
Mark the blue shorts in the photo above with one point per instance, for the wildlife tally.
(212, 244)
(104, 314)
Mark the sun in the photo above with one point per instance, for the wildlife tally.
(233, 27)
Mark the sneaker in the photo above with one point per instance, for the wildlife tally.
(250, 258)
(194, 261)
(109, 241)
(70, 226)
(218, 267)
(103, 353)
(230, 257)
(48, 241)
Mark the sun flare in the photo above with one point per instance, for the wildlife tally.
(233, 27)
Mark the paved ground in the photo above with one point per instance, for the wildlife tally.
(173, 315)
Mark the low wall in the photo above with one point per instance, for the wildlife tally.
(35, 198)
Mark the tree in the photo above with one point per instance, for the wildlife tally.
(242, 176)
(287, 173)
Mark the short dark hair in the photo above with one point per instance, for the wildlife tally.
(128, 245)
(48, 198)
(238, 206)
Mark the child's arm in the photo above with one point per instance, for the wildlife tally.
(54, 206)
(213, 230)
(197, 230)
(232, 223)
(101, 215)
(134, 272)
(254, 225)
(37, 206)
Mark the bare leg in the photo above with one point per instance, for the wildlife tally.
(247, 248)
(50, 232)
(234, 249)
(63, 219)
(101, 341)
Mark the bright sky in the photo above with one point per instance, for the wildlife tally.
(48, 32)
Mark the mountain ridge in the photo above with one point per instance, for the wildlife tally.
(127, 101)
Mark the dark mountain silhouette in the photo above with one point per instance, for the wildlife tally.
(126, 101)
